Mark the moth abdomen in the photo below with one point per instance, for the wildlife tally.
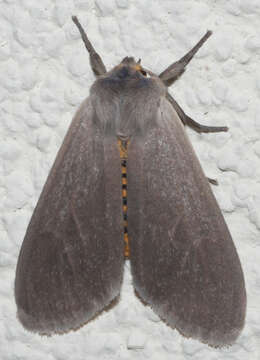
(122, 144)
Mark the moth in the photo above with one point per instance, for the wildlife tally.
(126, 183)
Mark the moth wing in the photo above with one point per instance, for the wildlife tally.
(183, 260)
(71, 261)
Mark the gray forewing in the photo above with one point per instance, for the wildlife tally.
(71, 261)
(184, 262)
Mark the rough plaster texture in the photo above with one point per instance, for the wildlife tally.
(44, 77)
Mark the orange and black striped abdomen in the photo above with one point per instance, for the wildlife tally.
(123, 156)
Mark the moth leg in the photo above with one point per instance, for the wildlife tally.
(96, 62)
(169, 75)
(203, 128)
(212, 181)
(186, 120)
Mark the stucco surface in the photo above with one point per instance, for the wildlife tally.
(45, 75)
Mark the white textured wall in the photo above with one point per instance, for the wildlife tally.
(44, 77)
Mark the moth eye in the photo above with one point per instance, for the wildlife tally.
(144, 73)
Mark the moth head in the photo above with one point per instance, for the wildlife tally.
(129, 68)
